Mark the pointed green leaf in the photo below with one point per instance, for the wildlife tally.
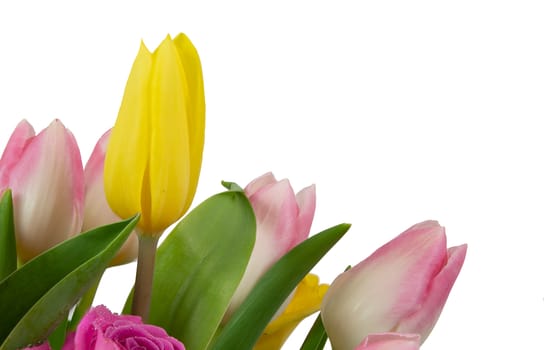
(36, 298)
(250, 320)
(57, 338)
(199, 266)
(232, 186)
(317, 337)
(84, 304)
(8, 253)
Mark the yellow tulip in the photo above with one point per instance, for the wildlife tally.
(306, 300)
(154, 154)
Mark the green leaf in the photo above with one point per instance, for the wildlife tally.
(84, 304)
(37, 297)
(8, 253)
(57, 338)
(198, 267)
(232, 186)
(317, 337)
(250, 320)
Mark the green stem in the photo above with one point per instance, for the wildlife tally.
(144, 275)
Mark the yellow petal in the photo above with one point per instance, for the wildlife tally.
(155, 153)
(124, 171)
(306, 301)
(169, 158)
(196, 106)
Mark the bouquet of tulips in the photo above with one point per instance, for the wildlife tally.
(233, 274)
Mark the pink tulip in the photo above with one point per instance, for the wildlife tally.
(100, 329)
(283, 221)
(390, 341)
(97, 211)
(45, 175)
(402, 287)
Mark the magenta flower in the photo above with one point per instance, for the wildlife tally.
(97, 211)
(102, 330)
(283, 221)
(390, 341)
(402, 288)
(45, 175)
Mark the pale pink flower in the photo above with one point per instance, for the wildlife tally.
(402, 288)
(97, 211)
(283, 221)
(45, 175)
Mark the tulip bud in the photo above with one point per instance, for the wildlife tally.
(390, 341)
(402, 287)
(45, 175)
(97, 211)
(283, 221)
(154, 154)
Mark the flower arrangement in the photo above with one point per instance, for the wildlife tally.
(234, 273)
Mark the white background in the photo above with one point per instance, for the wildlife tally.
(399, 111)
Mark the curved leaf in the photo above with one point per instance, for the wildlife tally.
(198, 267)
(35, 298)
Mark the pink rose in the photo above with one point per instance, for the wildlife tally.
(102, 330)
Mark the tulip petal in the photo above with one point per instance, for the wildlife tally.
(169, 161)
(420, 253)
(425, 318)
(94, 169)
(390, 341)
(196, 106)
(124, 172)
(274, 206)
(97, 211)
(258, 183)
(49, 171)
(277, 213)
(306, 204)
(75, 168)
(19, 139)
